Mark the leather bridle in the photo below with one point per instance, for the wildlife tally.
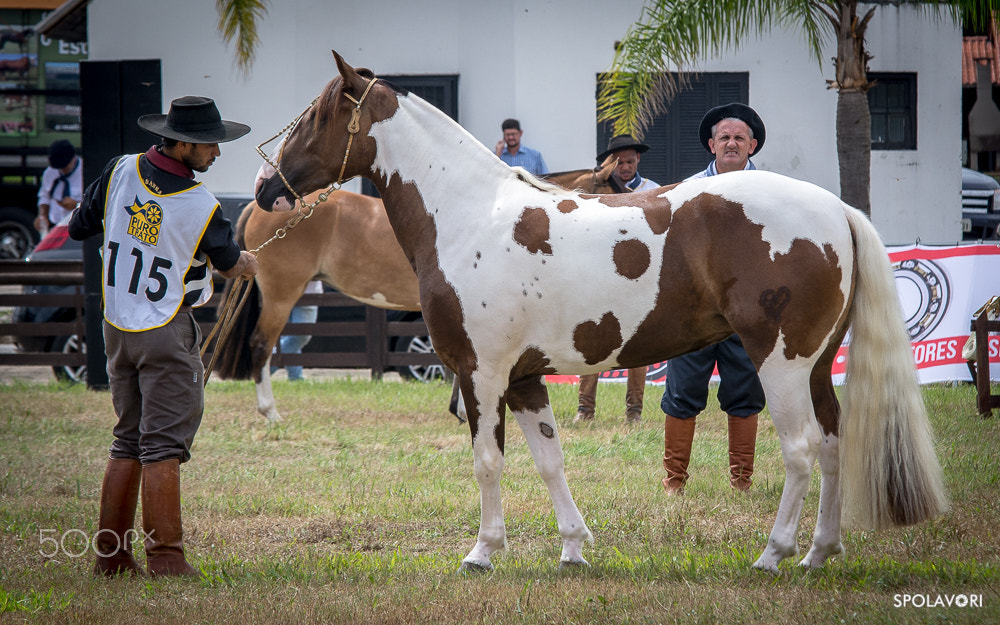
(353, 127)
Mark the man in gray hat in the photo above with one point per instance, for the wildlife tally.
(733, 133)
(163, 232)
(628, 151)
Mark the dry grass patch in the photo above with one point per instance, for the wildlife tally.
(359, 507)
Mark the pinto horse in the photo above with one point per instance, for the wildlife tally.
(519, 279)
(347, 243)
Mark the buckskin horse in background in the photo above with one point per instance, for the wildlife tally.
(347, 243)
(519, 279)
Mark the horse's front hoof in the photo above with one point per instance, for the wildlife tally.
(474, 568)
(573, 565)
(769, 568)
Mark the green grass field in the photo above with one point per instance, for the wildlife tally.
(360, 505)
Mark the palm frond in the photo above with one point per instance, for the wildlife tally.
(238, 21)
(973, 13)
(674, 35)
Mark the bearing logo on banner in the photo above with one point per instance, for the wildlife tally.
(940, 288)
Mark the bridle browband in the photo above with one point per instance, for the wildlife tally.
(353, 127)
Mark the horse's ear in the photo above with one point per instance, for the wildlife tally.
(606, 168)
(353, 81)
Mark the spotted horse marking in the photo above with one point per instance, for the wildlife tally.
(595, 301)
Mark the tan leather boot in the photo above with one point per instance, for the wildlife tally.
(677, 437)
(161, 519)
(742, 446)
(634, 390)
(116, 523)
(588, 398)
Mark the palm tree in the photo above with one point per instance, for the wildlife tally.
(674, 34)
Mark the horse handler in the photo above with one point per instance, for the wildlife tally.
(163, 232)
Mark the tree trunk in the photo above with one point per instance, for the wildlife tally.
(854, 148)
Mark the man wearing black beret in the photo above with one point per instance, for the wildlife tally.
(733, 133)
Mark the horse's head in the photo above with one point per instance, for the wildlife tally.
(328, 143)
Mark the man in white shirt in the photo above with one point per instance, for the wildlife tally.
(627, 150)
(61, 187)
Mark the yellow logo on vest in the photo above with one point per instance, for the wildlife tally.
(144, 221)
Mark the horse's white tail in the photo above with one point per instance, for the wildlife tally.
(889, 470)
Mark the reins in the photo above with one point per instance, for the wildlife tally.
(240, 291)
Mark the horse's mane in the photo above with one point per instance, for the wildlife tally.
(542, 185)
(241, 224)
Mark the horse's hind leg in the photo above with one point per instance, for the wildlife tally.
(826, 539)
(265, 336)
(786, 386)
(529, 401)
(265, 394)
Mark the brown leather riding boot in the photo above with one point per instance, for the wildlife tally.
(634, 390)
(588, 398)
(742, 446)
(161, 519)
(677, 437)
(116, 523)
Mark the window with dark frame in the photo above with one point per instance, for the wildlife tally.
(892, 102)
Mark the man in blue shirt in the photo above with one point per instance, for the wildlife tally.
(510, 150)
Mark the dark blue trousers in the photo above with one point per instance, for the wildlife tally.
(686, 391)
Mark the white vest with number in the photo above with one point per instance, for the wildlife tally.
(150, 242)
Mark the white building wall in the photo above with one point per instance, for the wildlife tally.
(537, 60)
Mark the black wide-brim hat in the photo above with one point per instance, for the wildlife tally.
(193, 119)
(739, 111)
(622, 142)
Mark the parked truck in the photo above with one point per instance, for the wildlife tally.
(39, 103)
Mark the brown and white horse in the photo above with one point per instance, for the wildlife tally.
(347, 243)
(518, 280)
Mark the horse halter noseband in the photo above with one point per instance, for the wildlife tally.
(353, 127)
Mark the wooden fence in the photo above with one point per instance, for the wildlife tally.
(372, 330)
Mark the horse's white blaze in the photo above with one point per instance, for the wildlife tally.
(265, 170)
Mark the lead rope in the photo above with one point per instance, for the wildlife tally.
(240, 290)
(238, 295)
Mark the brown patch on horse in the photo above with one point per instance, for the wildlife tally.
(596, 341)
(631, 258)
(567, 206)
(715, 262)
(526, 389)
(529, 394)
(532, 231)
(531, 362)
(656, 210)
(824, 398)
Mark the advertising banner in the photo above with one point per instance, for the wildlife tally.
(939, 288)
